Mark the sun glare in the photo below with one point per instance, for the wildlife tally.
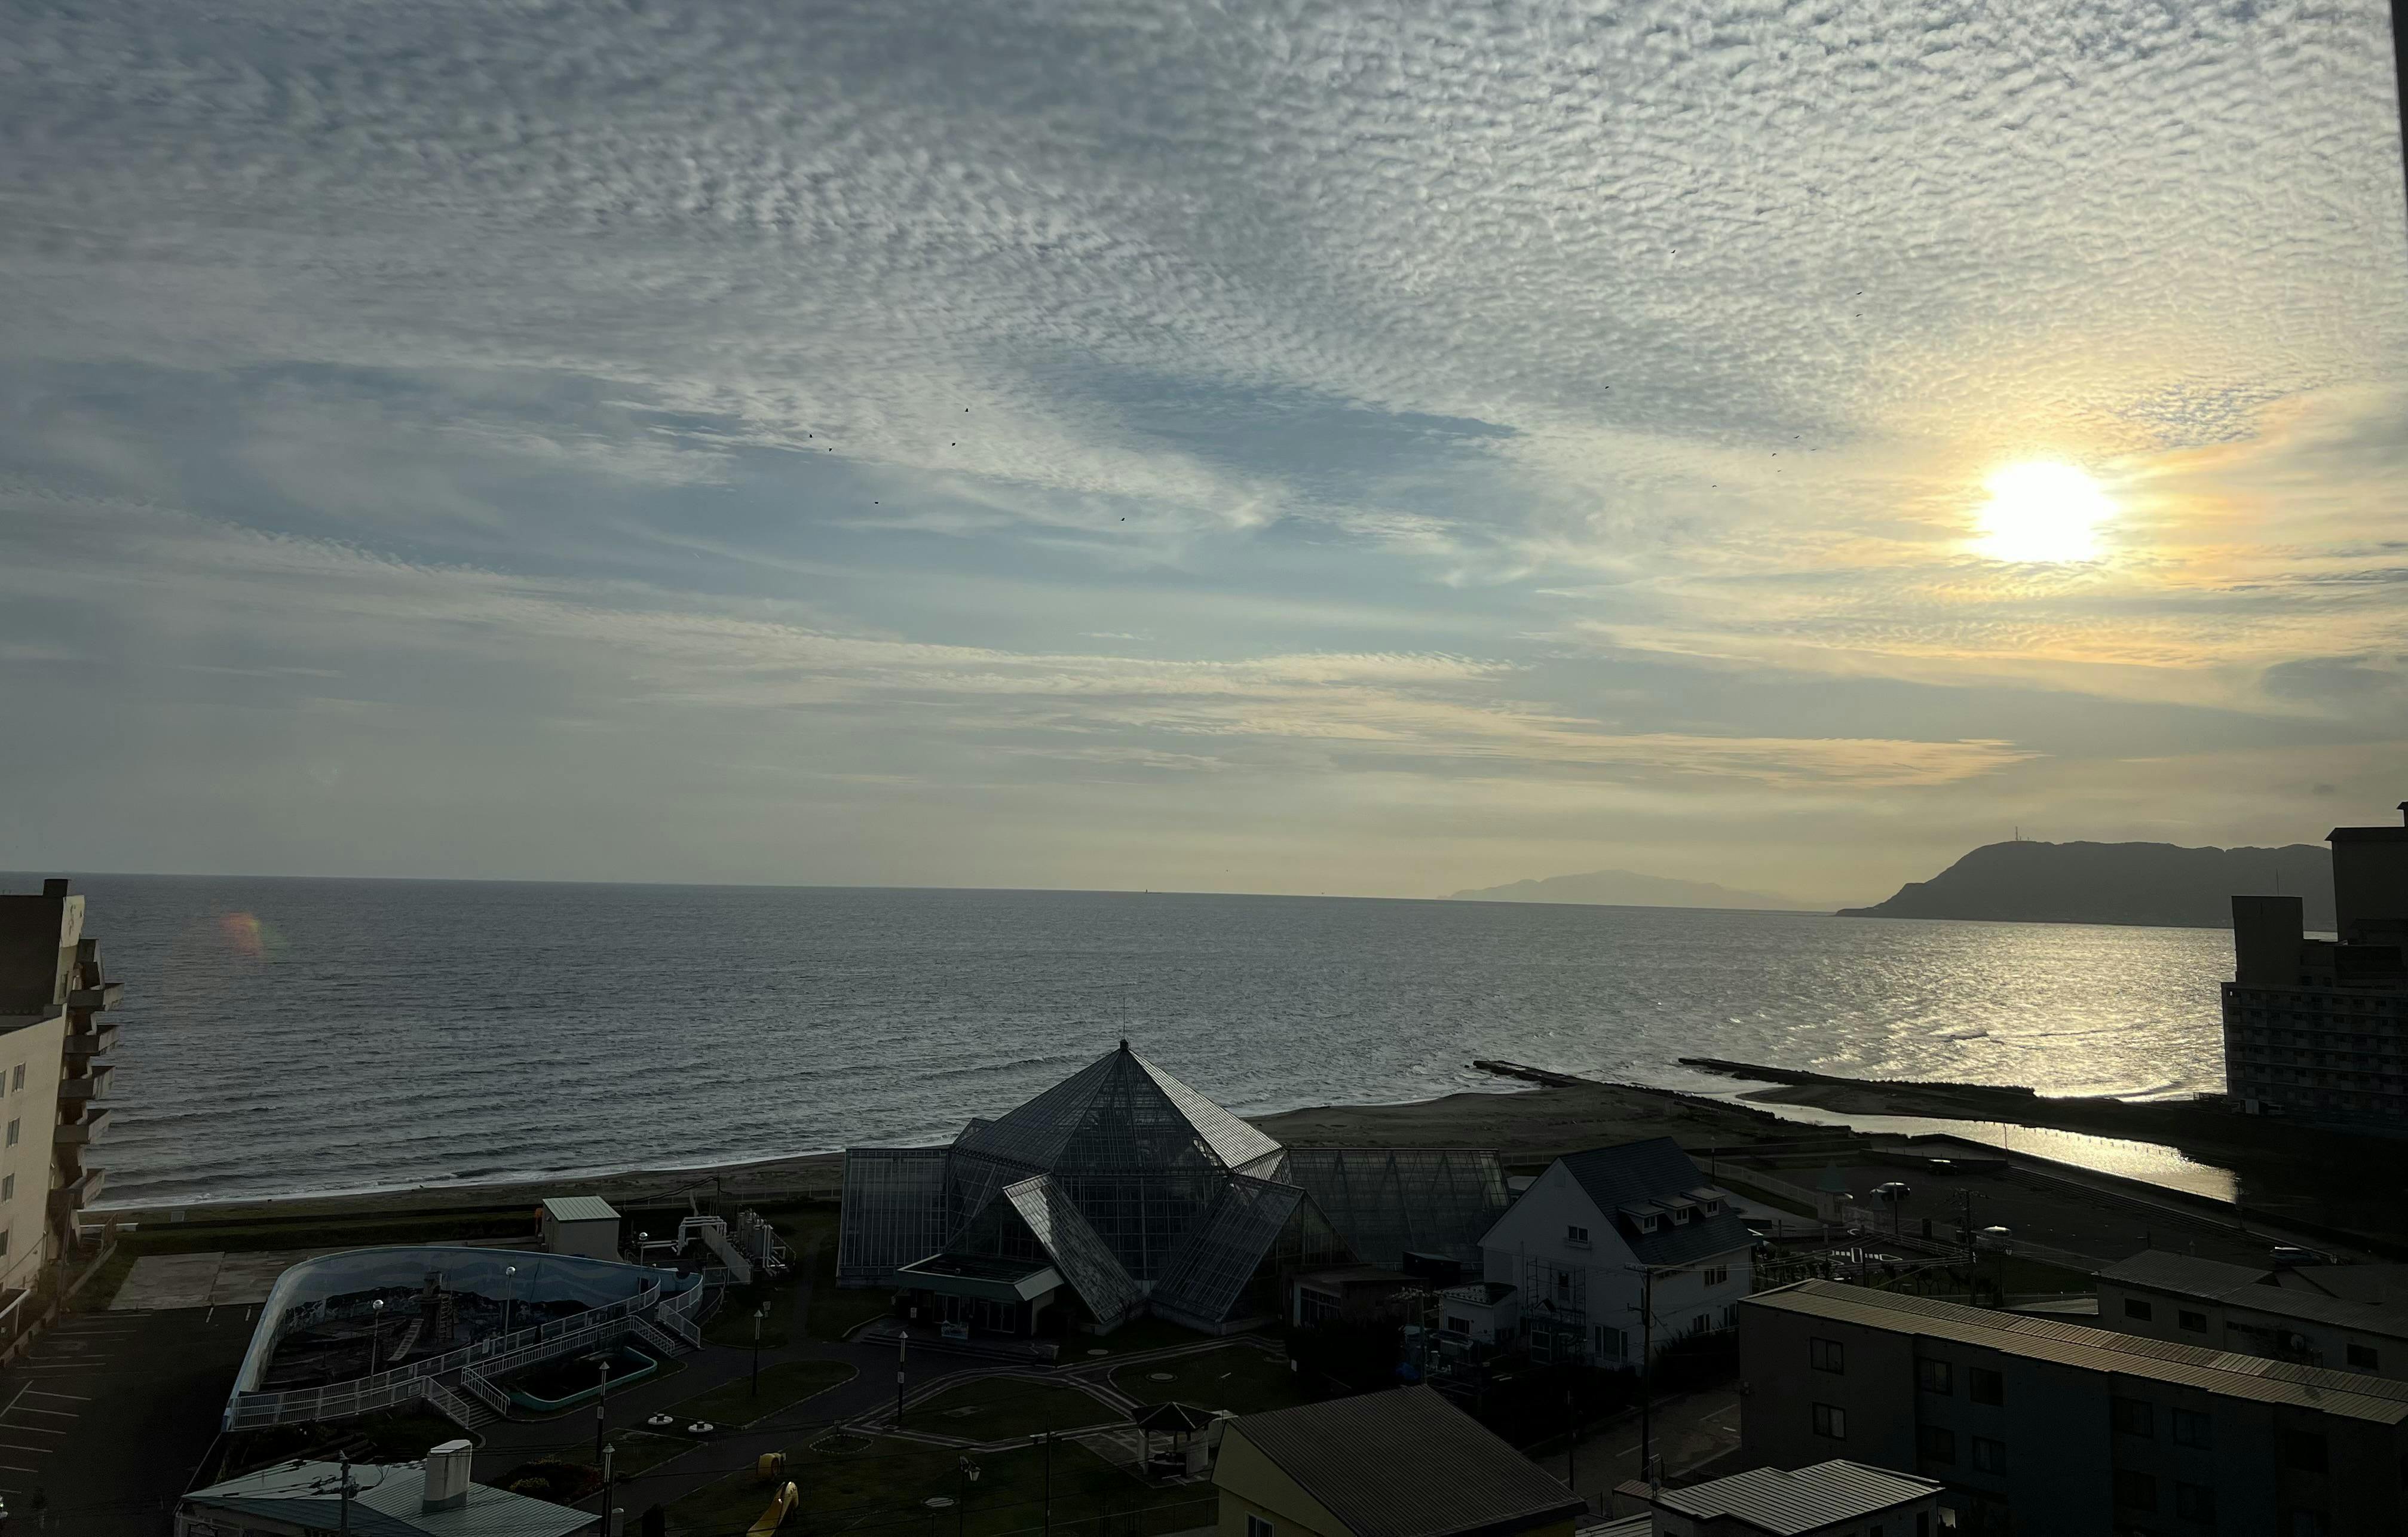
(2043, 511)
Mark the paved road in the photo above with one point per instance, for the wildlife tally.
(1690, 1429)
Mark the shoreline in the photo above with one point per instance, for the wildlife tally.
(2279, 1168)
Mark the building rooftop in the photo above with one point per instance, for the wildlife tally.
(579, 1208)
(2240, 1286)
(1786, 1503)
(2350, 1394)
(1658, 1175)
(1407, 1463)
(385, 1503)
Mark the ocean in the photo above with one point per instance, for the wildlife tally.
(298, 1036)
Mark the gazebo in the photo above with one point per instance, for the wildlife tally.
(1182, 1420)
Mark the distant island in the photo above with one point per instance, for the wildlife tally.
(1629, 888)
(2159, 884)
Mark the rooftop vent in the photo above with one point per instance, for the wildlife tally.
(447, 1476)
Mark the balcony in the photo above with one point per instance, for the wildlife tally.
(78, 1193)
(83, 1091)
(102, 997)
(84, 1132)
(91, 1043)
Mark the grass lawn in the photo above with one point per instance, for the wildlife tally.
(1239, 1379)
(876, 1485)
(783, 1384)
(997, 1408)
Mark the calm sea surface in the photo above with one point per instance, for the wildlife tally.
(293, 1034)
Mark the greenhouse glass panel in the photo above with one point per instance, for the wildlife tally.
(1076, 1251)
(1224, 1249)
(1386, 1203)
(894, 1212)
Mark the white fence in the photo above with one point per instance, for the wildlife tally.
(496, 1356)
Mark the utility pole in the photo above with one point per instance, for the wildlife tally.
(1647, 1376)
(1571, 1444)
(902, 1349)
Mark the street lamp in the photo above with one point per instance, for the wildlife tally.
(962, 1511)
(376, 1335)
(758, 1314)
(510, 1293)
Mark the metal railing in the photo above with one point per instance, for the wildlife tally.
(479, 1387)
(501, 1354)
(459, 1411)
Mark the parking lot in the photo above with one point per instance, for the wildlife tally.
(109, 1414)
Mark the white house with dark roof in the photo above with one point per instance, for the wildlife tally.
(1615, 1247)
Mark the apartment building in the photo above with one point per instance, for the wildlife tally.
(2037, 1426)
(2336, 1316)
(2318, 1028)
(54, 1073)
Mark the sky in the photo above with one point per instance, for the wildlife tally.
(1303, 448)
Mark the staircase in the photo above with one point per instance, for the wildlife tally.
(466, 1414)
(668, 1345)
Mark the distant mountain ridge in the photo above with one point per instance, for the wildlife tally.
(2159, 885)
(1629, 888)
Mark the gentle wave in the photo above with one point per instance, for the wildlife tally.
(392, 1033)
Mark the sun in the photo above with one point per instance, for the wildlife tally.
(2043, 511)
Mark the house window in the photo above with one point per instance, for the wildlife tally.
(1934, 1376)
(1990, 1455)
(2135, 1490)
(2303, 1451)
(1647, 1223)
(2195, 1503)
(17, 1079)
(2192, 1429)
(1563, 1285)
(2135, 1309)
(1831, 1420)
(1257, 1527)
(2195, 1322)
(1714, 1276)
(1456, 1324)
(2364, 1358)
(8, 1188)
(1612, 1345)
(2131, 1416)
(4, 1239)
(1827, 1355)
(12, 1134)
(1984, 1386)
(1573, 1234)
(1936, 1443)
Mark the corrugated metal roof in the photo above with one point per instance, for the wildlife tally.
(2185, 1273)
(2239, 1286)
(1407, 1463)
(2346, 1393)
(385, 1503)
(579, 1208)
(1787, 1503)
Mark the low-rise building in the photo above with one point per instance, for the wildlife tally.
(54, 1075)
(2035, 1425)
(1617, 1249)
(1834, 1499)
(2299, 1316)
(1402, 1463)
(583, 1225)
(430, 1499)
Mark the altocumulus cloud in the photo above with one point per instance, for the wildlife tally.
(1566, 406)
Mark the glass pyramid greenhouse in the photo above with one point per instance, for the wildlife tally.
(1136, 1193)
